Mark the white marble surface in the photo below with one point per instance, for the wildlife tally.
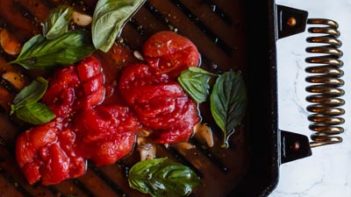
(327, 173)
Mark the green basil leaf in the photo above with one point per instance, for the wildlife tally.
(30, 94)
(69, 48)
(32, 43)
(109, 18)
(162, 177)
(228, 102)
(195, 81)
(26, 106)
(58, 22)
(35, 113)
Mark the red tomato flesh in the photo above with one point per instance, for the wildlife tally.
(87, 128)
(168, 52)
(45, 154)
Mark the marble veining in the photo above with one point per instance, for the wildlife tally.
(327, 173)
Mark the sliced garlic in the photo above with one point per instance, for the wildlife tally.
(14, 78)
(146, 149)
(185, 146)
(144, 133)
(204, 134)
(9, 43)
(81, 19)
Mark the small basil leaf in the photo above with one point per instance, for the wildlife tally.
(35, 113)
(58, 22)
(109, 18)
(228, 102)
(162, 177)
(30, 94)
(195, 81)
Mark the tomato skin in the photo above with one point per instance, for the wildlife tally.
(61, 93)
(106, 134)
(32, 173)
(182, 129)
(160, 104)
(136, 76)
(57, 169)
(76, 88)
(89, 68)
(169, 53)
(42, 153)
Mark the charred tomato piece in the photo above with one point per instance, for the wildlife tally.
(168, 52)
(61, 93)
(106, 134)
(76, 87)
(46, 153)
(160, 104)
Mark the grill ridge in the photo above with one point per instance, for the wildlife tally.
(109, 182)
(12, 181)
(216, 9)
(209, 33)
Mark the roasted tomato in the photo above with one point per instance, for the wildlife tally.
(160, 104)
(182, 127)
(92, 91)
(46, 153)
(49, 152)
(168, 52)
(61, 93)
(106, 134)
(88, 128)
(77, 87)
(139, 83)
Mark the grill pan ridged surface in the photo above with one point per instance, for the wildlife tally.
(217, 27)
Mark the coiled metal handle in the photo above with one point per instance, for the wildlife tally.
(325, 73)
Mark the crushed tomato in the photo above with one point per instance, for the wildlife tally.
(86, 128)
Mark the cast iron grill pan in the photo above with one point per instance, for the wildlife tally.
(217, 27)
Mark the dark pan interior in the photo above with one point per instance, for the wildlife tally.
(220, 29)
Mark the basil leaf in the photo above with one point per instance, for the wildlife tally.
(195, 81)
(162, 177)
(228, 102)
(109, 18)
(30, 94)
(58, 22)
(26, 106)
(69, 48)
(35, 113)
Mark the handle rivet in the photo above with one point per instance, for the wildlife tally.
(292, 21)
(296, 146)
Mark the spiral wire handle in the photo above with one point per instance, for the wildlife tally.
(325, 73)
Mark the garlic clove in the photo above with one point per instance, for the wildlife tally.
(81, 19)
(15, 79)
(146, 149)
(9, 43)
(185, 146)
(204, 134)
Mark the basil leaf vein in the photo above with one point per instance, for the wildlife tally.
(58, 22)
(195, 81)
(69, 48)
(26, 107)
(109, 18)
(36, 114)
(228, 102)
(30, 94)
(162, 177)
